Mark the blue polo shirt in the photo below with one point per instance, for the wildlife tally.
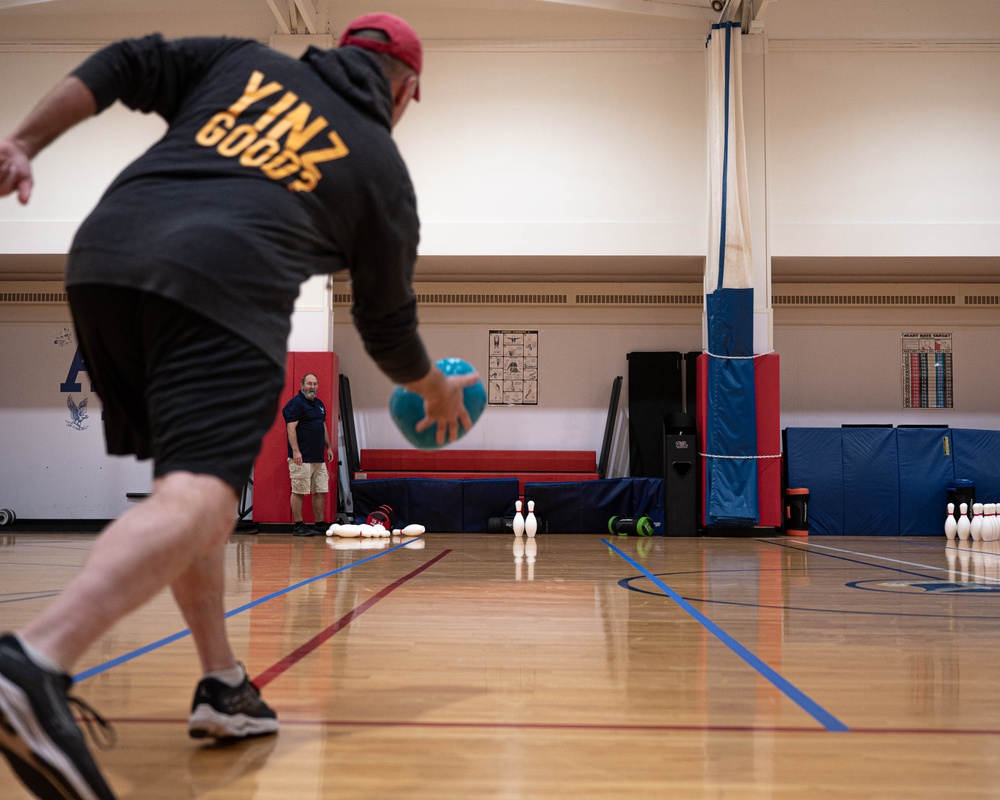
(311, 416)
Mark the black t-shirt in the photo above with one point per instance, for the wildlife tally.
(271, 170)
(311, 416)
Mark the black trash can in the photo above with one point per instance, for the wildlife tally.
(796, 512)
(680, 475)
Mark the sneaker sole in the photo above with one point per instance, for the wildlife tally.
(205, 721)
(38, 762)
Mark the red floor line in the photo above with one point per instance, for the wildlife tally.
(345, 723)
(305, 649)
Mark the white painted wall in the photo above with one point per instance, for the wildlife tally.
(883, 149)
(872, 149)
(528, 149)
(577, 364)
(53, 466)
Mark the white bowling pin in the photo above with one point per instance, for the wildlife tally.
(340, 543)
(964, 526)
(976, 527)
(990, 527)
(518, 520)
(952, 555)
(530, 523)
(348, 531)
(950, 523)
(413, 529)
(530, 551)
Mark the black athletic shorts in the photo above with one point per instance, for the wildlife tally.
(175, 386)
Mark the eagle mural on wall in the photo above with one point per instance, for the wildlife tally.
(78, 413)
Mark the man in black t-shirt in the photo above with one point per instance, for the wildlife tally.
(308, 451)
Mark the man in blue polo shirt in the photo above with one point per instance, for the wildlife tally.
(308, 451)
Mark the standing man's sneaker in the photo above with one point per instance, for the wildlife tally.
(321, 528)
(301, 529)
(227, 712)
(38, 734)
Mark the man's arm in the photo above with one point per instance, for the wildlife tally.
(69, 103)
(329, 447)
(293, 441)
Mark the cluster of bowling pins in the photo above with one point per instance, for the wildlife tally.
(527, 525)
(376, 531)
(984, 526)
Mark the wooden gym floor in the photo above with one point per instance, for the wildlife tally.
(594, 668)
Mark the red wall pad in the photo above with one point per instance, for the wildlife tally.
(492, 461)
(271, 488)
(701, 420)
(767, 379)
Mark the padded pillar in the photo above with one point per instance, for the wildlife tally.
(271, 486)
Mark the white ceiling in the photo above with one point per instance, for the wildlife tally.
(61, 20)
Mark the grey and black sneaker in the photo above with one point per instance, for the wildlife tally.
(321, 528)
(38, 734)
(228, 712)
(301, 529)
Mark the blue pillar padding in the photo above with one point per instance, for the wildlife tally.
(731, 483)
(926, 467)
(586, 506)
(977, 458)
(871, 482)
(816, 463)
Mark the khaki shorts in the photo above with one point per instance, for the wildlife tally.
(309, 478)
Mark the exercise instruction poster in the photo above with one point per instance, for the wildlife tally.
(513, 368)
(927, 371)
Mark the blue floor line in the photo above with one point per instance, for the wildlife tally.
(796, 695)
(97, 670)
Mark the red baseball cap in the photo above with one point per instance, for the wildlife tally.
(403, 43)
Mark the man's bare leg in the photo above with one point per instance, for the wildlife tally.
(319, 506)
(138, 555)
(296, 505)
(199, 593)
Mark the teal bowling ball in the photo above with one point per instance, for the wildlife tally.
(407, 408)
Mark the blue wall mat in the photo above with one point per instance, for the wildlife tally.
(871, 482)
(483, 498)
(926, 467)
(369, 495)
(976, 459)
(647, 498)
(441, 506)
(586, 506)
(816, 463)
(435, 504)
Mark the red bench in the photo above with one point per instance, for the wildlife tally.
(528, 466)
